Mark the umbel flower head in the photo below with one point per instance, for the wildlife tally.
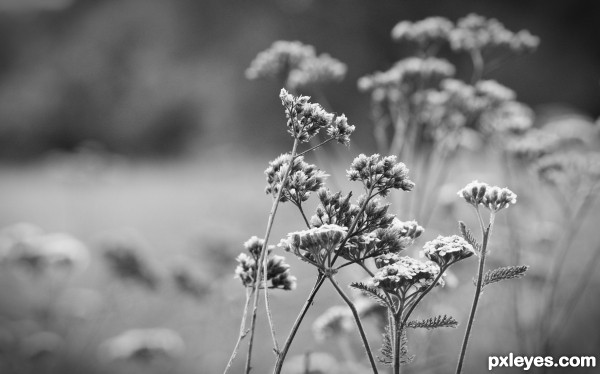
(302, 179)
(278, 271)
(380, 173)
(315, 245)
(304, 119)
(427, 32)
(492, 197)
(403, 273)
(446, 250)
(316, 70)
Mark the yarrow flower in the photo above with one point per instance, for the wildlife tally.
(278, 271)
(297, 64)
(475, 32)
(492, 197)
(336, 321)
(446, 250)
(429, 31)
(340, 130)
(404, 273)
(381, 174)
(409, 230)
(315, 245)
(304, 119)
(302, 179)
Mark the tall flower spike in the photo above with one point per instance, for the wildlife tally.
(446, 250)
(381, 174)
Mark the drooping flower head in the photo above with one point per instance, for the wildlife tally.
(302, 179)
(446, 250)
(315, 245)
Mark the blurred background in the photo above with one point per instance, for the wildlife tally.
(130, 124)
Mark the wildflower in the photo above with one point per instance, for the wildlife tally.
(334, 209)
(302, 179)
(408, 229)
(430, 31)
(315, 245)
(474, 192)
(533, 144)
(492, 197)
(278, 271)
(446, 250)
(304, 119)
(279, 59)
(512, 118)
(143, 345)
(497, 198)
(381, 174)
(316, 70)
(403, 273)
(340, 130)
(493, 92)
(475, 32)
(334, 322)
(573, 171)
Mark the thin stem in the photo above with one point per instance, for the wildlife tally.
(398, 330)
(550, 286)
(262, 265)
(363, 336)
(478, 65)
(297, 322)
(422, 295)
(478, 289)
(299, 206)
(243, 331)
(315, 147)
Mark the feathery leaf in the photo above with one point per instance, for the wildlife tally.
(433, 322)
(468, 236)
(507, 272)
(371, 292)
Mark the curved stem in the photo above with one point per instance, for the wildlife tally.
(242, 333)
(478, 65)
(478, 289)
(297, 322)
(398, 330)
(299, 206)
(315, 147)
(262, 265)
(363, 336)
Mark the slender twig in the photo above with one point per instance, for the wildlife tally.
(315, 147)
(363, 336)
(297, 322)
(478, 289)
(478, 65)
(398, 330)
(262, 264)
(299, 206)
(243, 332)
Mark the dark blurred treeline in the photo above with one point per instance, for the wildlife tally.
(156, 77)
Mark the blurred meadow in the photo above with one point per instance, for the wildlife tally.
(129, 127)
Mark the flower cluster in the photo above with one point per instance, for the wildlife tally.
(407, 76)
(297, 64)
(304, 119)
(492, 197)
(403, 273)
(510, 118)
(534, 144)
(334, 209)
(340, 130)
(278, 271)
(380, 173)
(571, 170)
(475, 32)
(316, 245)
(446, 250)
(301, 180)
(143, 345)
(429, 31)
(333, 323)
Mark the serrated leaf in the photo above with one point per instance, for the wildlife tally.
(405, 358)
(371, 292)
(507, 272)
(387, 351)
(468, 236)
(434, 323)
